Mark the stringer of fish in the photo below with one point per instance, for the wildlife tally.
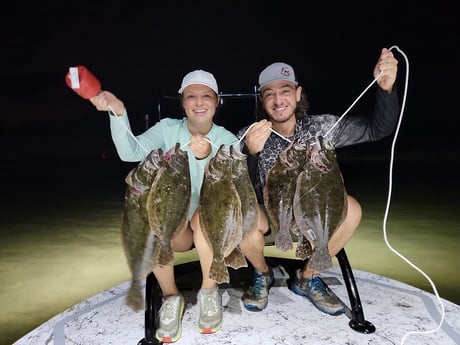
(320, 202)
(136, 237)
(279, 191)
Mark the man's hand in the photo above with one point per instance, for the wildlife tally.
(257, 135)
(388, 65)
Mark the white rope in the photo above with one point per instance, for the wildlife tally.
(388, 207)
(209, 141)
(390, 186)
(128, 130)
(247, 130)
(346, 111)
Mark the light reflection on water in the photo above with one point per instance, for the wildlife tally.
(61, 245)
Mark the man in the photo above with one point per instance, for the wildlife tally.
(284, 107)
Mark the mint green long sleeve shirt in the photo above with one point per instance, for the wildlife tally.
(165, 134)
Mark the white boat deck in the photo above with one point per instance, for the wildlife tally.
(394, 308)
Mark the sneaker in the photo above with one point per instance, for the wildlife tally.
(256, 297)
(170, 319)
(316, 290)
(211, 318)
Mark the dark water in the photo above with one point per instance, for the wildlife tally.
(59, 231)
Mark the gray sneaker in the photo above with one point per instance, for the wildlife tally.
(211, 318)
(170, 324)
(256, 297)
(317, 291)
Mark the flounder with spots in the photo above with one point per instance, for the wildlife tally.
(279, 192)
(320, 202)
(249, 204)
(168, 202)
(221, 217)
(136, 236)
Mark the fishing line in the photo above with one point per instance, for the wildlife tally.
(390, 191)
(247, 130)
(390, 187)
(86, 85)
(346, 111)
(388, 206)
(128, 130)
(209, 141)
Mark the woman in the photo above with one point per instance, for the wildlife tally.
(200, 137)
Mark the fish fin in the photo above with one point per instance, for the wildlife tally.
(165, 254)
(320, 260)
(283, 240)
(134, 298)
(236, 259)
(219, 272)
(304, 248)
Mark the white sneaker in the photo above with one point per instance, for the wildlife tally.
(170, 324)
(211, 319)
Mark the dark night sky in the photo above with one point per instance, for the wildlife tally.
(141, 49)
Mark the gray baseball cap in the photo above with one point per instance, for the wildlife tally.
(276, 71)
(199, 77)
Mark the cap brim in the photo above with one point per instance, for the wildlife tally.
(197, 83)
(268, 82)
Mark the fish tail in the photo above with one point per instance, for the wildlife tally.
(219, 272)
(165, 255)
(236, 259)
(283, 239)
(134, 298)
(320, 260)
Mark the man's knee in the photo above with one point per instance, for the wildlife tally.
(354, 212)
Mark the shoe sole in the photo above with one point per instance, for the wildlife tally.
(208, 330)
(299, 292)
(253, 307)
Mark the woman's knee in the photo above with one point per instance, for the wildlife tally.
(183, 241)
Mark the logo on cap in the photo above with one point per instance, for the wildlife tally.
(276, 71)
(285, 71)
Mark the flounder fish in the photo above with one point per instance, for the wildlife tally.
(279, 192)
(136, 237)
(245, 190)
(320, 202)
(168, 201)
(249, 204)
(221, 217)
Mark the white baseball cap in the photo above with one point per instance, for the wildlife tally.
(199, 77)
(276, 71)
